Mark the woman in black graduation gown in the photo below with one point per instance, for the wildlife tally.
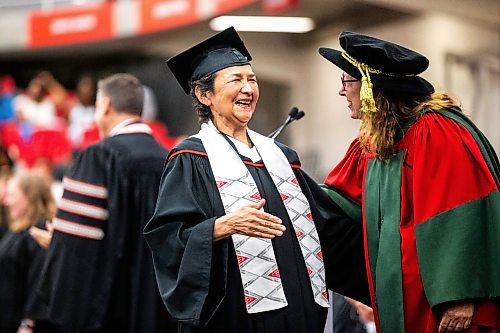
(29, 202)
(235, 231)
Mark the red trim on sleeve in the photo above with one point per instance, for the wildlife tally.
(187, 151)
(259, 165)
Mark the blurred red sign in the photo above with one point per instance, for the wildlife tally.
(166, 14)
(70, 26)
(159, 15)
(274, 6)
(224, 6)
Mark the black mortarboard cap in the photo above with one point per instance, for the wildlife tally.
(220, 51)
(398, 66)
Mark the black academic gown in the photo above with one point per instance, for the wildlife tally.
(21, 260)
(199, 279)
(108, 285)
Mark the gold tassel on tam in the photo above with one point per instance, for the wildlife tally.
(366, 93)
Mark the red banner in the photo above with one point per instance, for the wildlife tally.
(223, 6)
(166, 14)
(159, 15)
(274, 6)
(70, 26)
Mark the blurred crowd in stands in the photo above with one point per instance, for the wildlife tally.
(43, 125)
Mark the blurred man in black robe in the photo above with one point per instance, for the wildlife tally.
(98, 276)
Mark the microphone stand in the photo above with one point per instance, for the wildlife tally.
(294, 114)
(291, 114)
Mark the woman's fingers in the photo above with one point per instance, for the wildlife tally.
(49, 226)
(261, 228)
(249, 220)
(257, 223)
(467, 323)
(456, 316)
(261, 204)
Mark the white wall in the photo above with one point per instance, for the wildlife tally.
(328, 130)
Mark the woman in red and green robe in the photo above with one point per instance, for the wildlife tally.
(425, 182)
(431, 216)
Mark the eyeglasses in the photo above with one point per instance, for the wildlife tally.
(344, 81)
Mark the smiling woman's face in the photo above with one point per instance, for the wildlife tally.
(234, 96)
(350, 89)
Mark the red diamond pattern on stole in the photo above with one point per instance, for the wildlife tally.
(275, 274)
(284, 196)
(256, 196)
(297, 206)
(220, 183)
(319, 254)
(325, 294)
(261, 292)
(249, 299)
(241, 259)
(294, 181)
(298, 233)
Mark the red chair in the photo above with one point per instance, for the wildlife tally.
(53, 145)
(160, 133)
(11, 134)
(90, 136)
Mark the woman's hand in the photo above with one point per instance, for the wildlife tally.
(42, 237)
(365, 312)
(248, 220)
(456, 316)
(26, 326)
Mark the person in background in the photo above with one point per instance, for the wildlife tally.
(6, 169)
(29, 202)
(56, 92)
(427, 182)
(98, 276)
(81, 115)
(34, 108)
(150, 113)
(7, 93)
(239, 229)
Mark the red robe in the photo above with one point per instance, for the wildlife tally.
(431, 217)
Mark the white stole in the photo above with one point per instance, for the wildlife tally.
(256, 260)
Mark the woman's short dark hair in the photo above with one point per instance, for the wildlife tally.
(206, 85)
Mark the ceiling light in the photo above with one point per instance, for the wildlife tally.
(263, 23)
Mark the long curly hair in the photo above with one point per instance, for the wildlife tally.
(379, 131)
(36, 187)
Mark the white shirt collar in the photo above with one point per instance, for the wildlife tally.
(130, 126)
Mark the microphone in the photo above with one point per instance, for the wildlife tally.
(299, 115)
(293, 114)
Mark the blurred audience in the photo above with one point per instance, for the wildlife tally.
(34, 107)
(7, 92)
(150, 108)
(6, 166)
(42, 126)
(81, 114)
(29, 202)
(56, 93)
